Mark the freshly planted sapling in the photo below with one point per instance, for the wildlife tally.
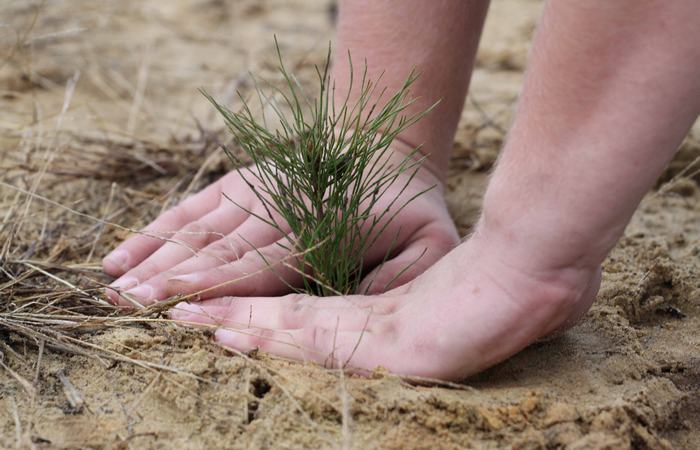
(322, 171)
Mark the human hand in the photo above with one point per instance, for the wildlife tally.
(472, 309)
(207, 242)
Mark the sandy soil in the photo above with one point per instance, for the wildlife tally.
(128, 144)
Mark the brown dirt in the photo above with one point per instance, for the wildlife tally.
(627, 376)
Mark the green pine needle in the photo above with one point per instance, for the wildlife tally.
(322, 171)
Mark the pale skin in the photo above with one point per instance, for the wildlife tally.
(611, 90)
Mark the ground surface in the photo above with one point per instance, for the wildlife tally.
(127, 144)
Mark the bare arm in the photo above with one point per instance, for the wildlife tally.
(611, 91)
(438, 38)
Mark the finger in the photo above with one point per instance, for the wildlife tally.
(266, 271)
(330, 347)
(428, 246)
(250, 235)
(335, 335)
(384, 304)
(216, 261)
(136, 248)
(182, 246)
(276, 313)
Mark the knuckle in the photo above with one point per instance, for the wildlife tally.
(146, 269)
(249, 341)
(387, 329)
(224, 277)
(224, 249)
(198, 232)
(261, 338)
(315, 338)
(230, 278)
(167, 274)
(218, 192)
(294, 314)
(227, 301)
(296, 299)
(387, 307)
(198, 226)
(178, 213)
(252, 257)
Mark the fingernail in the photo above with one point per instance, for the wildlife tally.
(189, 278)
(223, 337)
(181, 311)
(119, 286)
(141, 292)
(119, 258)
(177, 312)
(111, 295)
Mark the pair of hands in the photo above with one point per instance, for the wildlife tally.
(458, 310)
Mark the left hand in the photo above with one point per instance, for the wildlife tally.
(213, 247)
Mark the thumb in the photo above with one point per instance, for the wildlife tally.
(419, 254)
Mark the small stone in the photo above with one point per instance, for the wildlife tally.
(530, 403)
(560, 412)
(491, 419)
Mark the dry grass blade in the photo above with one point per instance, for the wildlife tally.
(26, 385)
(66, 283)
(73, 396)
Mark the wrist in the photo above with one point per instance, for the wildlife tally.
(544, 244)
(565, 290)
(544, 220)
(430, 169)
(562, 294)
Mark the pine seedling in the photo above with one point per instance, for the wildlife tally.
(322, 170)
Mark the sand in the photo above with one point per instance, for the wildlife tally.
(128, 145)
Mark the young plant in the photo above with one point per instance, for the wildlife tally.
(322, 171)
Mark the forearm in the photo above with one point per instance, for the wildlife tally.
(438, 39)
(611, 91)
